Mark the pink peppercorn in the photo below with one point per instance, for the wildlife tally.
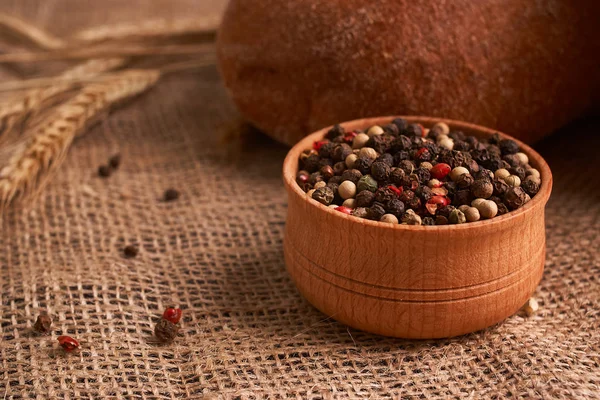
(345, 210)
(349, 137)
(318, 144)
(439, 171)
(172, 314)
(68, 343)
(396, 190)
(436, 202)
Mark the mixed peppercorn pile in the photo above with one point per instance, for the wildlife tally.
(404, 173)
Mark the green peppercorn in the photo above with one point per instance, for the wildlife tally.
(457, 217)
(324, 195)
(366, 183)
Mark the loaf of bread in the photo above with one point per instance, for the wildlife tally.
(523, 67)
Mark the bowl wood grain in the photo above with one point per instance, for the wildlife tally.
(414, 281)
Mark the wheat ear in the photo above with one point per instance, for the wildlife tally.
(29, 167)
(28, 33)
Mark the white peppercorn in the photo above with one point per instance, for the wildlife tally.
(350, 160)
(464, 207)
(347, 190)
(487, 209)
(533, 172)
(320, 184)
(434, 183)
(389, 218)
(360, 140)
(457, 217)
(513, 180)
(477, 202)
(472, 214)
(375, 130)
(368, 152)
(442, 127)
(499, 174)
(522, 157)
(427, 165)
(530, 307)
(446, 143)
(458, 171)
(310, 193)
(411, 218)
(350, 203)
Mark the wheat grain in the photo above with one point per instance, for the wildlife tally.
(30, 34)
(32, 163)
(150, 29)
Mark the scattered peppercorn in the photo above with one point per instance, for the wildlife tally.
(130, 251)
(415, 175)
(170, 195)
(115, 161)
(104, 171)
(165, 330)
(42, 323)
(173, 314)
(68, 343)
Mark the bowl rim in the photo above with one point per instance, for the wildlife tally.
(539, 200)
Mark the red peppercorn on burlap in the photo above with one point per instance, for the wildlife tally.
(217, 253)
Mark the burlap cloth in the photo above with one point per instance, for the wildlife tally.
(217, 252)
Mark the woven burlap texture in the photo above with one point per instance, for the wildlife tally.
(217, 253)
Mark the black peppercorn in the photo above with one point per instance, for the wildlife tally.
(326, 172)
(340, 152)
(386, 158)
(352, 175)
(500, 187)
(391, 129)
(462, 197)
(338, 168)
(363, 164)
(381, 143)
(515, 197)
(450, 187)
(530, 186)
(335, 180)
(170, 195)
(334, 132)
(326, 149)
(165, 330)
(464, 181)
(407, 195)
(311, 163)
(423, 175)
(43, 323)
(302, 177)
(384, 194)
(445, 211)
(325, 161)
(461, 145)
(324, 195)
(414, 203)
(495, 138)
(401, 123)
(397, 176)
(130, 251)
(424, 193)
(512, 160)
(401, 155)
(380, 171)
(428, 221)
(508, 146)
(104, 171)
(395, 207)
(413, 130)
(518, 171)
(457, 135)
(482, 188)
(376, 211)
(407, 166)
(365, 198)
(502, 209)
(314, 178)
(115, 161)
(483, 173)
(401, 143)
(441, 220)
(472, 166)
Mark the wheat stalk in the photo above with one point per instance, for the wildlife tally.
(150, 29)
(28, 33)
(29, 166)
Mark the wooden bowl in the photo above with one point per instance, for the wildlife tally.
(414, 281)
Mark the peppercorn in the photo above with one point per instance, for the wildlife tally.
(360, 212)
(104, 171)
(484, 173)
(426, 165)
(302, 177)
(360, 141)
(400, 156)
(323, 195)
(401, 143)
(385, 194)
(336, 130)
(465, 181)
(445, 210)
(115, 161)
(314, 178)
(335, 180)
(165, 330)
(172, 314)
(327, 172)
(512, 180)
(500, 187)
(449, 188)
(43, 323)
(515, 197)
(501, 173)
(380, 171)
(130, 251)
(436, 202)
(366, 183)
(411, 218)
(414, 203)
(441, 220)
(350, 203)
(508, 146)
(407, 166)
(532, 172)
(401, 123)
(486, 208)
(427, 221)
(456, 172)
(397, 176)
(413, 130)
(457, 217)
(340, 152)
(310, 193)
(68, 343)
(363, 164)
(352, 175)
(368, 152)
(326, 149)
(530, 186)
(482, 188)
(391, 129)
(471, 213)
(343, 209)
(386, 158)
(462, 197)
(395, 207)
(376, 211)
(365, 198)
(380, 144)
(320, 184)
(347, 190)
(422, 174)
(311, 163)
(502, 208)
(424, 192)
(518, 171)
(434, 183)
(389, 218)
(350, 160)
(445, 142)
(460, 145)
